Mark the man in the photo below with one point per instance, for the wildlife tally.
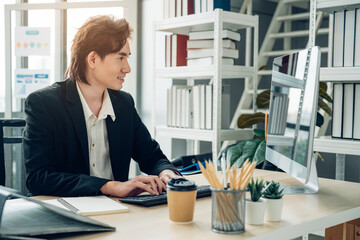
(81, 133)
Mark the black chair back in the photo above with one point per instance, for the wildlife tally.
(7, 140)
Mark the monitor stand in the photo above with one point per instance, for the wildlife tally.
(310, 187)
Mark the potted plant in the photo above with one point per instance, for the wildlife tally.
(255, 206)
(274, 201)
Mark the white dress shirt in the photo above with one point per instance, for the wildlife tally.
(99, 157)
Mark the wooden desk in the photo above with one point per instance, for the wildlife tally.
(336, 202)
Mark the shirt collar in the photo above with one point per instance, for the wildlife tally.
(106, 108)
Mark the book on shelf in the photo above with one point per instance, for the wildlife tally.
(196, 106)
(201, 35)
(202, 106)
(178, 107)
(166, 9)
(337, 110)
(349, 38)
(187, 7)
(209, 43)
(188, 108)
(208, 106)
(173, 105)
(89, 206)
(223, 4)
(178, 9)
(182, 107)
(356, 128)
(348, 109)
(208, 61)
(178, 50)
(197, 6)
(225, 106)
(357, 39)
(338, 46)
(168, 51)
(28, 217)
(203, 6)
(172, 8)
(209, 52)
(168, 107)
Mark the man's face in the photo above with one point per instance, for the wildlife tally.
(111, 71)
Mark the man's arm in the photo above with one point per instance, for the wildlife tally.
(147, 152)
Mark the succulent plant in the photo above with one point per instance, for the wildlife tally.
(273, 191)
(255, 188)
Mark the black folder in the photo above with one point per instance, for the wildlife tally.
(33, 218)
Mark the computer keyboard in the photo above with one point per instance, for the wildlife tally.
(153, 200)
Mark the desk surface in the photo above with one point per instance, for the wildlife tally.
(336, 202)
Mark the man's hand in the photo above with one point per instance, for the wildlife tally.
(168, 174)
(135, 186)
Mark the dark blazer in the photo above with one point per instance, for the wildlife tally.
(55, 142)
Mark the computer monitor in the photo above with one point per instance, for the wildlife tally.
(292, 117)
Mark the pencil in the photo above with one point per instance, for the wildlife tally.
(266, 124)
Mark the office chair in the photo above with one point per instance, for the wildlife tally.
(8, 140)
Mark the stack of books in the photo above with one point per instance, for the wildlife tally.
(346, 111)
(178, 8)
(192, 106)
(200, 48)
(346, 45)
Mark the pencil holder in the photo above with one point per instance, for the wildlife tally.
(228, 211)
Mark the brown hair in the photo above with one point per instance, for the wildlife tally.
(102, 34)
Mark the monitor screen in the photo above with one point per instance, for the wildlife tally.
(292, 113)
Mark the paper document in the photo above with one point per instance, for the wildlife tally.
(89, 206)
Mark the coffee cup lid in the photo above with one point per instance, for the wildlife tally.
(181, 184)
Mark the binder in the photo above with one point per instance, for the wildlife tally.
(356, 129)
(337, 110)
(208, 106)
(338, 46)
(348, 110)
(28, 217)
(349, 38)
(196, 106)
(357, 39)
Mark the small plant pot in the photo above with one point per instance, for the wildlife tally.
(274, 209)
(255, 211)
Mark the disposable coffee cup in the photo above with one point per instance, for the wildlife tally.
(181, 196)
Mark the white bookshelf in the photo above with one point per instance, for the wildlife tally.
(210, 21)
(205, 72)
(204, 135)
(340, 147)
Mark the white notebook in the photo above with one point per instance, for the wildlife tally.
(89, 206)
